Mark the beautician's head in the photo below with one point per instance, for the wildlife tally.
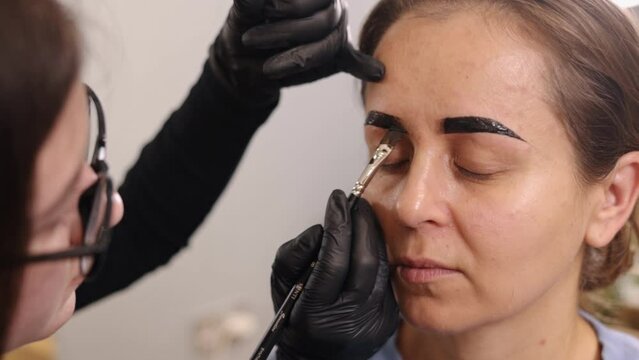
(524, 214)
(44, 137)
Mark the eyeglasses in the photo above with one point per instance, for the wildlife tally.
(94, 206)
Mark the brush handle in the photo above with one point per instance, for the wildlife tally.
(274, 331)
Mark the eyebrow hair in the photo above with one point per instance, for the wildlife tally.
(476, 124)
(384, 121)
(64, 194)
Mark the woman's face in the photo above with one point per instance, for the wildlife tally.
(482, 220)
(47, 295)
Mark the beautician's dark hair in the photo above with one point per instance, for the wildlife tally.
(39, 60)
(593, 75)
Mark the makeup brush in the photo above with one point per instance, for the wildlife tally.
(274, 332)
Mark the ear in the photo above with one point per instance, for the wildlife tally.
(621, 189)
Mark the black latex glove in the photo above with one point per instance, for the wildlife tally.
(347, 310)
(269, 44)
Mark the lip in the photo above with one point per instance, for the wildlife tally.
(422, 270)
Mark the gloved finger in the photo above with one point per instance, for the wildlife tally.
(382, 293)
(364, 265)
(288, 33)
(384, 296)
(295, 256)
(382, 287)
(293, 9)
(360, 65)
(246, 13)
(304, 57)
(292, 261)
(325, 283)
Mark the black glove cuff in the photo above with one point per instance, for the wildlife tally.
(284, 355)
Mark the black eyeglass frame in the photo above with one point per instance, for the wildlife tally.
(98, 248)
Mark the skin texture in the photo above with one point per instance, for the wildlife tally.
(508, 242)
(47, 296)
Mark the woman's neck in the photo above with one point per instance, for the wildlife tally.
(550, 329)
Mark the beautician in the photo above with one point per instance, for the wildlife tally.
(57, 205)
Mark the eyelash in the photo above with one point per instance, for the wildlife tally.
(396, 167)
(401, 166)
(472, 175)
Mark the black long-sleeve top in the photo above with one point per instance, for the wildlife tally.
(175, 182)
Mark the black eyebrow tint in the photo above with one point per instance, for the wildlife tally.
(384, 121)
(475, 124)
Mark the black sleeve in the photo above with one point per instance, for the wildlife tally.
(175, 182)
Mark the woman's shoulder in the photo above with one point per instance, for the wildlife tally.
(388, 351)
(615, 345)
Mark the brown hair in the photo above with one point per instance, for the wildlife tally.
(39, 62)
(594, 81)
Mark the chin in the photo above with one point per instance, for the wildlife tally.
(63, 315)
(436, 315)
(40, 329)
(40, 326)
(66, 311)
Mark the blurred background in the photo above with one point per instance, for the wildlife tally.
(213, 301)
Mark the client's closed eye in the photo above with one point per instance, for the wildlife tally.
(473, 174)
(399, 160)
(398, 166)
(474, 170)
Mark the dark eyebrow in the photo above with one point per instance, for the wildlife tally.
(384, 121)
(476, 124)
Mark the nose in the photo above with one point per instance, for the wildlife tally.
(421, 201)
(117, 209)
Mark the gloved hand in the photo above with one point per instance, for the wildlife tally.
(347, 309)
(269, 44)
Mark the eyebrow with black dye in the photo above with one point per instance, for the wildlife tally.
(476, 124)
(384, 121)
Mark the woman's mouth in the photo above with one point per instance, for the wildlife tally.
(422, 271)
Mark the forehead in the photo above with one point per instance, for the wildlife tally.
(466, 63)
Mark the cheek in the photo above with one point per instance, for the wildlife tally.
(46, 300)
(383, 193)
(47, 294)
(530, 232)
(59, 237)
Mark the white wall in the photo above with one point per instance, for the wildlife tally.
(626, 3)
(142, 59)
